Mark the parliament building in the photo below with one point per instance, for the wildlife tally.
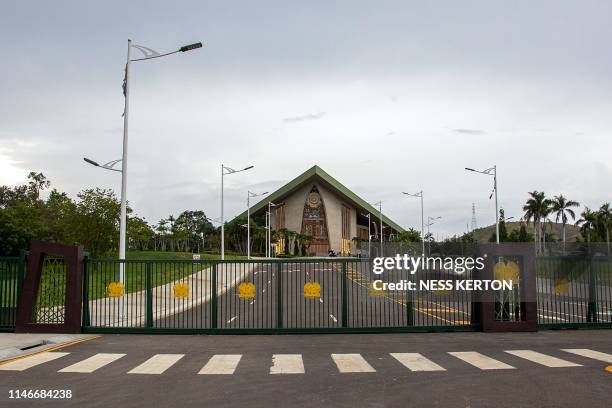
(316, 204)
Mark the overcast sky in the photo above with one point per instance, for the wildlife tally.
(385, 96)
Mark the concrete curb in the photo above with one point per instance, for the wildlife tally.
(14, 346)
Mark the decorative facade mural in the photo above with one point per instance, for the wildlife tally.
(314, 222)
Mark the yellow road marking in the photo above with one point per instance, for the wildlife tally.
(421, 310)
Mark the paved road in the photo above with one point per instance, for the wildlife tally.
(545, 369)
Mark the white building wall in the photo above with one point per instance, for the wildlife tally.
(294, 209)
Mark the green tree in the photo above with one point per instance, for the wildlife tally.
(95, 223)
(408, 236)
(139, 233)
(562, 209)
(503, 231)
(37, 183)
(587, 223)
(604, 216)
(537, 209)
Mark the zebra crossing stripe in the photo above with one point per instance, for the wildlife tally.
(543, 359)
(416, 362)
(597, 355)
(31, 361)
(352, 363)
(480, 360)
(157, 364)
(221, 364)
(287, 364)
(91, 364)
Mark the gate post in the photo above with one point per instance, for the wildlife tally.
(26, 321)
(410, 309)
(527, 295)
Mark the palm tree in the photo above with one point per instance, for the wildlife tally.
(587, 222)
(561, 207)
(537, 209)
(605, 219)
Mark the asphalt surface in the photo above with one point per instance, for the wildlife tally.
(582, 382)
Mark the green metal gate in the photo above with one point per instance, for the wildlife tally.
(262, 296)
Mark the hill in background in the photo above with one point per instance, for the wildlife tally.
(571, 231)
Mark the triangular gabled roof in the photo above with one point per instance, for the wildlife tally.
(317, 173)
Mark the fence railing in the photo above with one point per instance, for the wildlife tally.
(288, 295)
(574, 291)
(332, 294)
(11, 279)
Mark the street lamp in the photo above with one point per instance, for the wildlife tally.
(148, 54)
(430, 222)
(269, 227)
(369, 234)
(491, 171)
(224, 171)
(420, 194)
(379, 204)
(249, 195)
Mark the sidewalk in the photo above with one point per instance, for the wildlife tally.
(15, 345)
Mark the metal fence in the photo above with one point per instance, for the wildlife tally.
(306, 295)
(574, 291)
(11, 278)
(294, 295)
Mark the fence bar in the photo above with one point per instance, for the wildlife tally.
(345, 305)
(213, 296)
(279, 296)
(149, 283)
(85, 313)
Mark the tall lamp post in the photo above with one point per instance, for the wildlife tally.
(420, 194)
(491, 171)
(148, 53)
(379, 204)
(430, 222)
(368, 216)
(269, 227)
(225, 171)
(249, 195)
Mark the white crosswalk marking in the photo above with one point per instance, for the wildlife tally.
(352, 363)
(597, 355)
(287, 364)
(31, 361)
(221, 364)
(91, 364)
(157, 364)
(544, 359)
(480, 360)
(416, 362)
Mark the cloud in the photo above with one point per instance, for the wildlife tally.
(470, 131)
(310, 116)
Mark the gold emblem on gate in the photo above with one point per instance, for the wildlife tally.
(561, 286)
(312, 290)
(115, 289)
(181, 290)
(373, 291)
(508, 271)
(246, 290)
